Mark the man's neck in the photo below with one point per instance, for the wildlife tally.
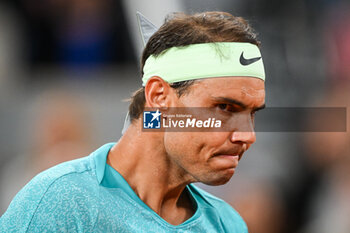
(141, 159)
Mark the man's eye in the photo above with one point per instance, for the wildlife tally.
(226, 107)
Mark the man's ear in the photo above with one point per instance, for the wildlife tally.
(158, 93)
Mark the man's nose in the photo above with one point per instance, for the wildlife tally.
(244, 130)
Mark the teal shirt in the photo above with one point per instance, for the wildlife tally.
(87, 195)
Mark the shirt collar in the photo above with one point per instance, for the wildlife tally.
(100, 158)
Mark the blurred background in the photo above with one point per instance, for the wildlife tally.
(66, 67)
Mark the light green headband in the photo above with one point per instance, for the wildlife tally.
(207, 60)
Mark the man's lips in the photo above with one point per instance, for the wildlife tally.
(235, 155)
(231, 157)
(226, 160)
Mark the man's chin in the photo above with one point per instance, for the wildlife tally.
(219, 179)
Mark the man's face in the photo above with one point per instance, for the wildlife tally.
(211, 157)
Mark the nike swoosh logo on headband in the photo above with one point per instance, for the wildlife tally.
(246, 62)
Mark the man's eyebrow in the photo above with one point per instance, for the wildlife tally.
(236, 102)
(231, 101)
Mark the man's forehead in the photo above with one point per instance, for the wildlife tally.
(240, 84)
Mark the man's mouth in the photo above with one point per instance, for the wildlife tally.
(234, 154)
(226, 161)
(231, 157)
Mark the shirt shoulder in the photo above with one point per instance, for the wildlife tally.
(55, 194)
(230, 219)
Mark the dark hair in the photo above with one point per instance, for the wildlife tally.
(181, 29)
